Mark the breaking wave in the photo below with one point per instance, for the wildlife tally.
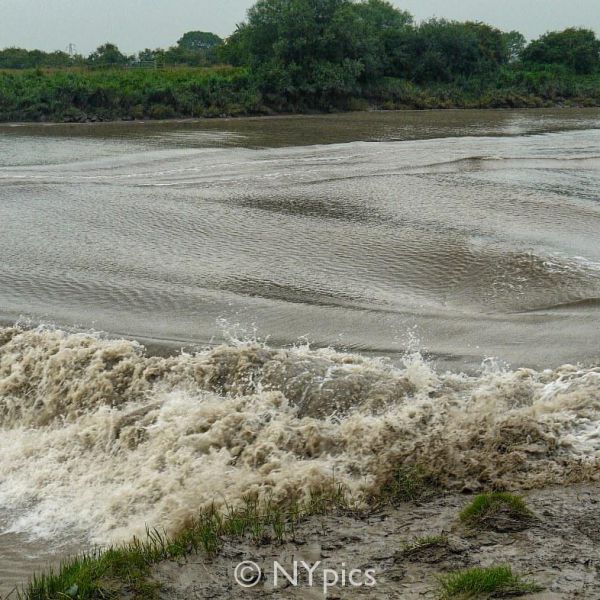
(98, 438)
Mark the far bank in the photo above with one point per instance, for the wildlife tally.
(84, 96)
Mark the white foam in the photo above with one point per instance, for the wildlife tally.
(98, 439)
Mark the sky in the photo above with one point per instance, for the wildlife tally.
(138, 24)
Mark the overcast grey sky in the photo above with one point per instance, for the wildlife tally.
(137, 24)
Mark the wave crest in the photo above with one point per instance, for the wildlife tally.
(101, 438)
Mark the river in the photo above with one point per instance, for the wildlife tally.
(468, 238)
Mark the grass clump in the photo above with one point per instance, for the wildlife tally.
(426, 542)
(489, 582)
(407, 484)
(500, 511)
(428, 549)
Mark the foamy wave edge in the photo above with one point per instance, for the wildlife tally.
(99, 438)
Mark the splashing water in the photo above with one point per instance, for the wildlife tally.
(100, 439)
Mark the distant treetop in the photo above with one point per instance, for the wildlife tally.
(199, 40)
(577, 49)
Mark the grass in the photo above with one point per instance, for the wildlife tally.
(479, 582)
(496, 510)
(109, 94)
(79, 94)
(407, 484)
(125, 570)
(423, 543)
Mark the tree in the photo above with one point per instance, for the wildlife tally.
(382, 16)
(441, 50)
(199, 40)
(107, 55)
(577, 49)
(18, 58)
(514, 44)
(320, 51)
(376, 24)
(149, 55)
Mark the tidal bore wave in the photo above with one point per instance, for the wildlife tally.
(98, 438)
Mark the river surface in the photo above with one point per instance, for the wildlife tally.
(463, 235)
(476, 233)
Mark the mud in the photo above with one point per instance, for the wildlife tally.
(560, 550)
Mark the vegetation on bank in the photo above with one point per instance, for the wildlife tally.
(74, 95)
(194, 48)
(125, 570)
(500, 511)
(293, 56)
(490, 582)
(107, 95)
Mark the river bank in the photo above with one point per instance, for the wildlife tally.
(410, 547)
(80, 96)
(407, 550)
(531, 104)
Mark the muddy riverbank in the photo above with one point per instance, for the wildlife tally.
(560, 551)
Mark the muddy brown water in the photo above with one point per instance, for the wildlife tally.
(465, 235)
(475, 233)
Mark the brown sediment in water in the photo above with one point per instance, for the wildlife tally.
(126, 440)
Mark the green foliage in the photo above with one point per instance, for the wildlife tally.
(102, 574)
(576, 49)
(443, 51)
(199, 40)
(109, 94)
(18, 58)
(405, 484)
(194, 48)
(304, 55)
(107, 55)
(514, 44)
(496, 582)
(116, 93)
(124, 571)
(315, 53)
(485, 510)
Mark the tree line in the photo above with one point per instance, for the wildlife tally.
(322, 48)
(194, 49)
(304, 55)
(314, 43)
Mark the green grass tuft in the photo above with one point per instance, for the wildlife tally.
(490, 582)
(406, 484)
(495, 510)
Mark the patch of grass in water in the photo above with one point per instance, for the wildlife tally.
(406, 484)
(497, 510)
(480, 582)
